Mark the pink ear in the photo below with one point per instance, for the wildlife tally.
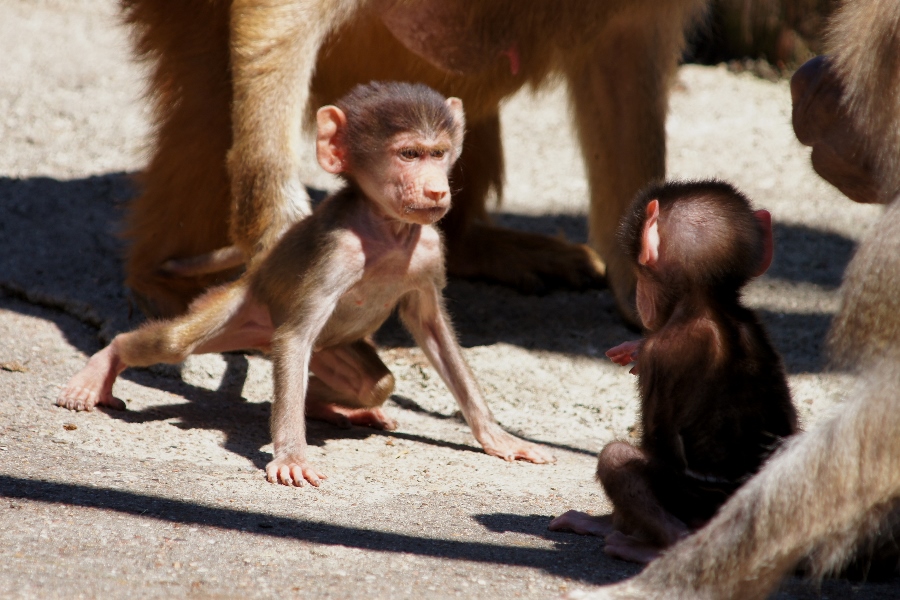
(765, 222)
(330, 122)
(515, 61)
(650, 236)
(455, 106)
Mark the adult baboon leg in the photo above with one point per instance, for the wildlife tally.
(477, 249)
(274, 47)
(619, 90)
(471, 181)
(182, 209)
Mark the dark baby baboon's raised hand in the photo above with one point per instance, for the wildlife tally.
(714, 397)
(332, 280)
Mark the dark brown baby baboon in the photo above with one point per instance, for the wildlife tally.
(714, 396)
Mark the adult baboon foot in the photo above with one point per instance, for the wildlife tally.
(529, 262)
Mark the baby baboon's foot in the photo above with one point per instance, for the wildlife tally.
(582, 523)
(92, 386)
(342, 416)
(293, 470)
(498, 442)
(79, 398)
(630, 548)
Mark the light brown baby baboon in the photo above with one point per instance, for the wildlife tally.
(834, 489)
(233, 79)
(332, 280)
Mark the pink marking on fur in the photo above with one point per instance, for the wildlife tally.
(512, 53)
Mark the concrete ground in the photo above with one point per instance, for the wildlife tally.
(168, 499)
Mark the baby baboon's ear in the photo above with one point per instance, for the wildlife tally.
(330, 151)
(455, 106)
(650, 236)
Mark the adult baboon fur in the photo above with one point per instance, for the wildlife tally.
(833, 491)
(783, 32)
(232, 81)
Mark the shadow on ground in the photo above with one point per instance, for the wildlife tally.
(578, 558)
(60, 249)
(245, 425)
(573, 556)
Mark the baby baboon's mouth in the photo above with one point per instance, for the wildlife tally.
(430, 212)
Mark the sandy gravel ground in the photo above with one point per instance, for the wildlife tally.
(168, 498)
